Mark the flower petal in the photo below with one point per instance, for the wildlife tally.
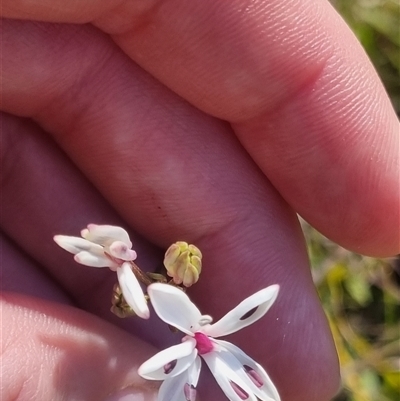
(183, 386)
(225, 374)
(75, 244)
(173, 388)
(174, 307)
(120, 250)
(106, 234)
(86, 252)
(132, 291)
(194, 372)
(260, 383)
(169, 362)
(246, 313)
(94, 260)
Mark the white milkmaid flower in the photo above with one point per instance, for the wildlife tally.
(109, 246)
(238, 375)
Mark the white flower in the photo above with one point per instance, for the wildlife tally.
(109, 246)
(239, 376)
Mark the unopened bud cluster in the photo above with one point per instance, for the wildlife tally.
(183, 263)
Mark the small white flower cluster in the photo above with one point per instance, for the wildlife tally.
(109, 246)
(238, 375)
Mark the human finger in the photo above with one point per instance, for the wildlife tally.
(51, 351)
(173, 173)
(19, 273)
(301, 94)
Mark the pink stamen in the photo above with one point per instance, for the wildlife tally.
(203, 343)
(254, 376)
(239, 391)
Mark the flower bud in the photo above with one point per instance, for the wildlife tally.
(183, 263)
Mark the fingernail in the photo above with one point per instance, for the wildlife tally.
(130, 394)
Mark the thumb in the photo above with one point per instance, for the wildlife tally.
(55, 352)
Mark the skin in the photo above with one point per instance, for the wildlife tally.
(213, 123)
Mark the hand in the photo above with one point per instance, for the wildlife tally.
(213, 123)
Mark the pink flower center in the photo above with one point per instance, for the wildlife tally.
(203, 343)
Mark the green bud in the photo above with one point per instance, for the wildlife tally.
(183, 263)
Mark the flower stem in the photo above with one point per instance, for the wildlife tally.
(143, 277)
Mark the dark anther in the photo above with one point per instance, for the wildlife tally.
(249, 313)
(169, 367)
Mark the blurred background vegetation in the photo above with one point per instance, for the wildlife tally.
(361, 295)
(376, 23)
